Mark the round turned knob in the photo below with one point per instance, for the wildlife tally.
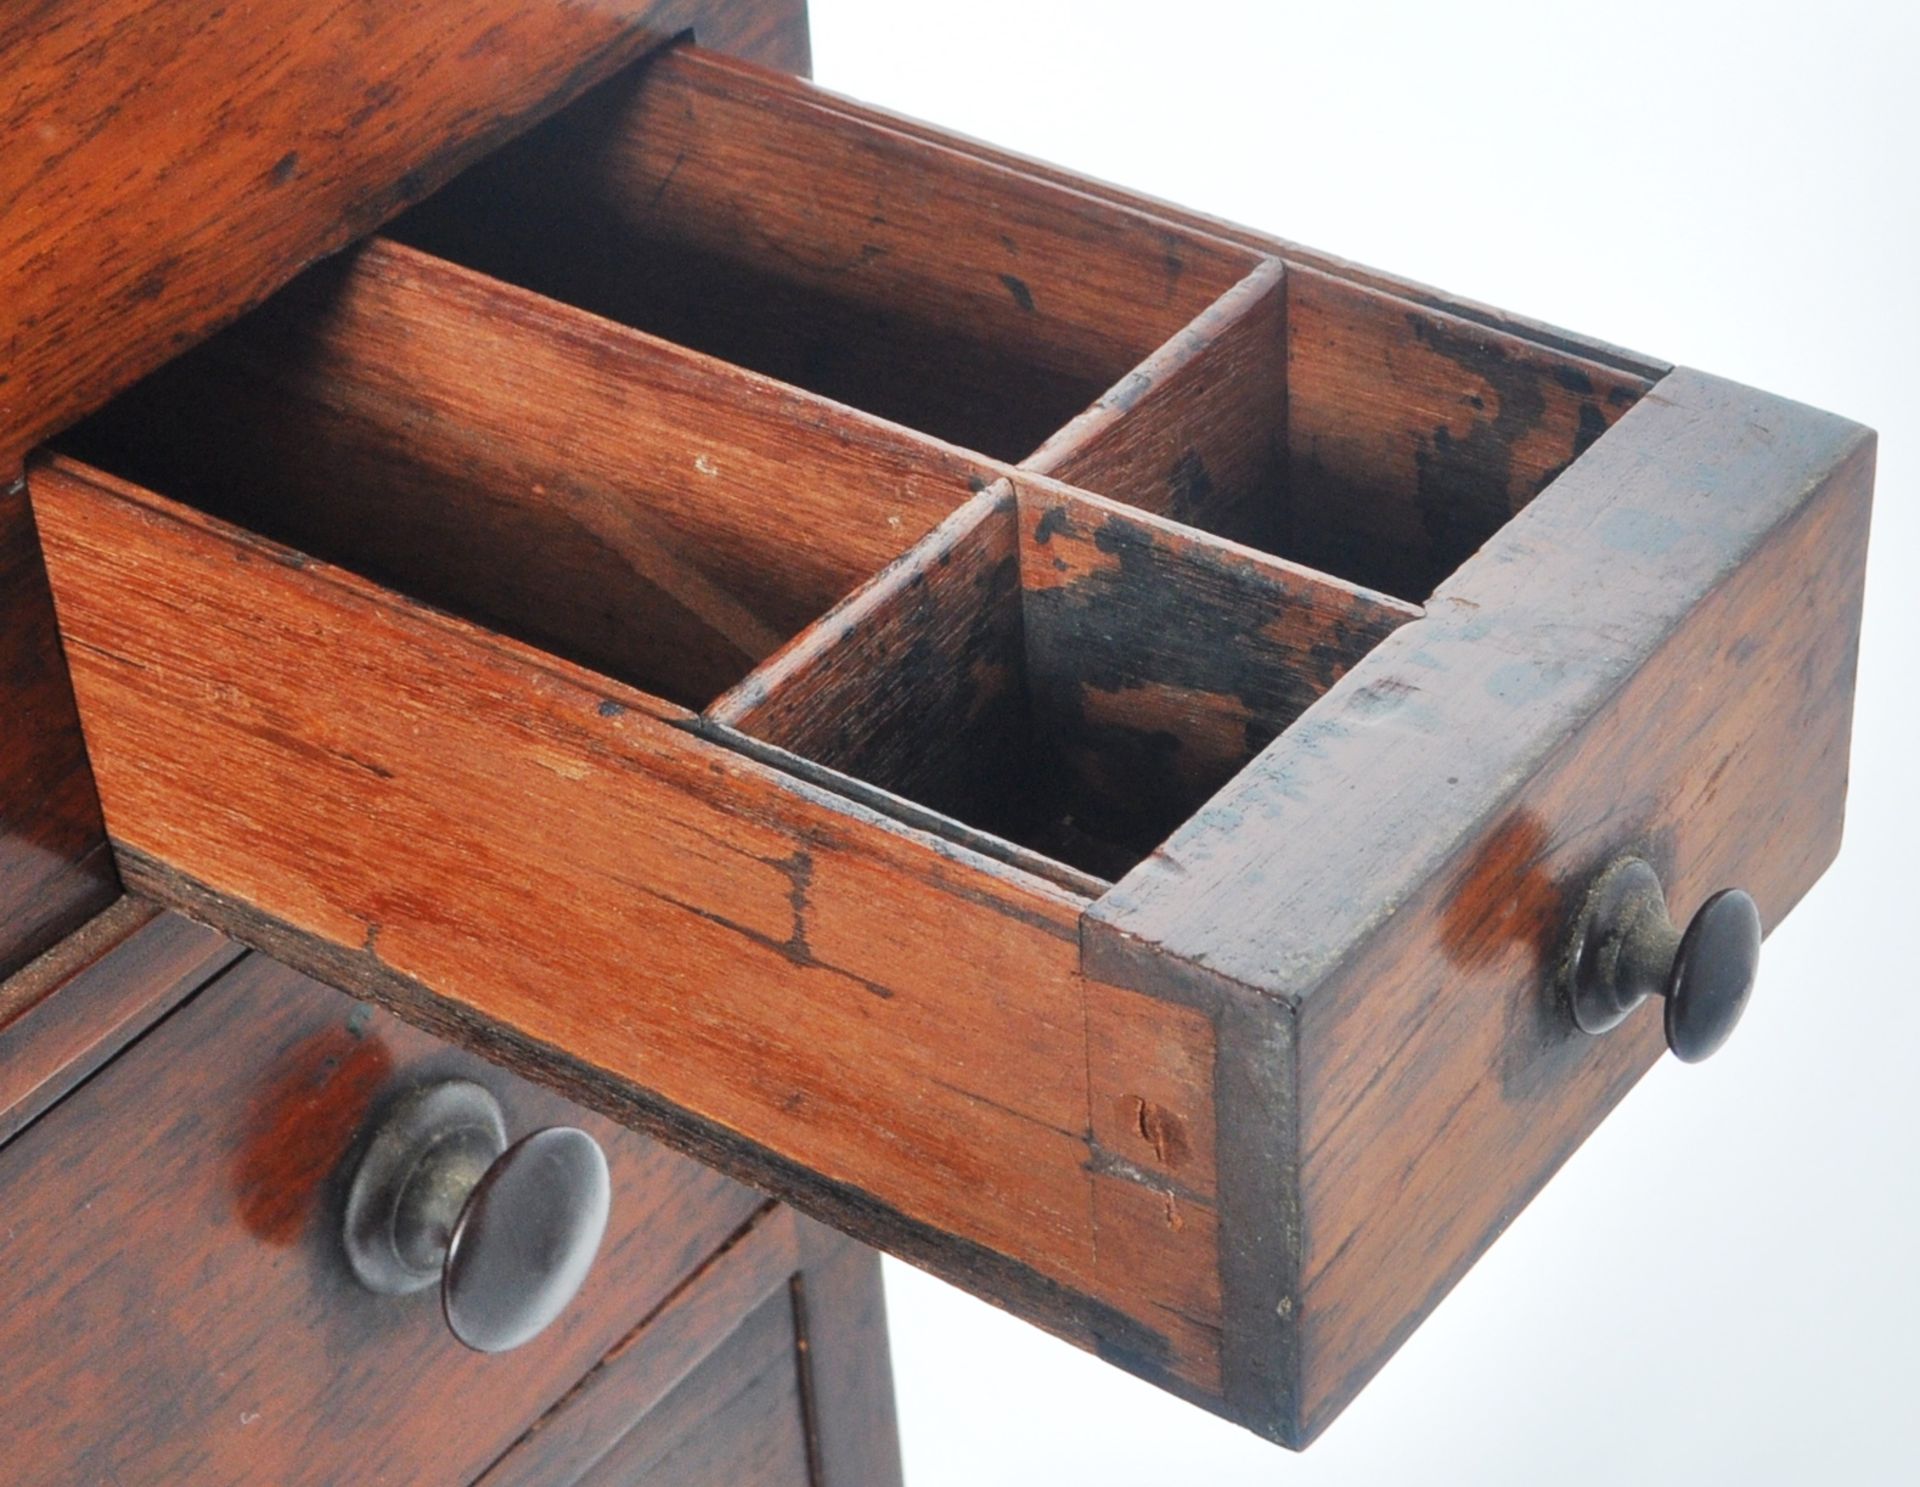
(509, 1232)
(1626, 948)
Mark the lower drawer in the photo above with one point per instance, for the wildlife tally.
(175, 1305)
(767, 1367)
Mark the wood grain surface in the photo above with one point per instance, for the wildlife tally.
(176, 1304)
(1062, 671)
(738, 1420)
(714, 204)
(1343, 428)
(137, 223)
(660, 516)
(524, 855)
(1237, 1121)
(64, 1015)
(607, 1428)
(1263, 244)
(56, 870)
(1664, 644)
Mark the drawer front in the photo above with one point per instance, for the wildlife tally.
(1067, 741)
(767, 1367)
(175, 1305)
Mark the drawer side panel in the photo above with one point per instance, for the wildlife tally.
(890, 1032)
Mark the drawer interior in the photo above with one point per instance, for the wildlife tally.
(763, 225)
(1063, 672)
(588, 489)
(1037, 515)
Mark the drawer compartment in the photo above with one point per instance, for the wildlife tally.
(1063, 673)
(588, 489)
(1094, 808)
(706, 201)
(172, 1261)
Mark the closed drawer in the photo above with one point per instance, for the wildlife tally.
(1070, 740)
(175, 1302)
(768, 1365)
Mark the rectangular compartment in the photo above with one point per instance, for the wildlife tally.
(1055, 670)
(663, 517)
(740, 212)
(1343, 427)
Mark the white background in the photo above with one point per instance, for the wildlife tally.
(1723, 1285)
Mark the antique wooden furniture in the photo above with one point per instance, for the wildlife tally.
(1133, 764)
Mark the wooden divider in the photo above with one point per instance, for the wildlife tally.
(1342, 427)
(727, 210)
(1062, 671)
(661, 516)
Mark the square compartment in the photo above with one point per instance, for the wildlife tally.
(1063, 674)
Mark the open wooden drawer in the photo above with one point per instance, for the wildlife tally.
(1064, 739)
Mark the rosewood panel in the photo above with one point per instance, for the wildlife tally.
(643, 1404)
(67, 1013)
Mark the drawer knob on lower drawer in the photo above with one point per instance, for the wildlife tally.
(509, 1232)
(1625, 947)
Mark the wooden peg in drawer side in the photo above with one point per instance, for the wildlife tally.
(729, 208)
(103, 279)
(661, 516)
(531, 858)
(1657, 654)
(1342, 427)
(1060, 671)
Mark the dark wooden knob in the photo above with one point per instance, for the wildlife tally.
(1625, 948)
(509, 1232)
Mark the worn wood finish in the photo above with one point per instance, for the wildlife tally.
(1435, 1083)
(831, 1287)
(1236, 1122)
(1197, 431)
(139, 223)
(226, 1341)
(715, 204)
(1264, 244)
(67, 1013)
(496, 833)
(842, 1311)
(1158, 664)
(915, 684)
(569, 481)
(1414, 435)
(1344, 428)
(55, 867)
(1061, 671)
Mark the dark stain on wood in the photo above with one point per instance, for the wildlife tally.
(1505, 899)
(312, 1103)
